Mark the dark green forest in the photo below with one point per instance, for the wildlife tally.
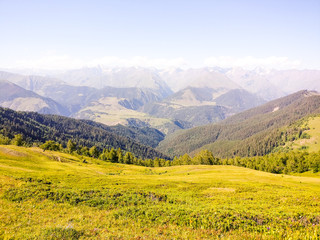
(37, 129)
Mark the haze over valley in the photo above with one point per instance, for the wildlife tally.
(140, 96)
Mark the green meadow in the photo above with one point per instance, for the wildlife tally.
(311, 141)
(53, 195)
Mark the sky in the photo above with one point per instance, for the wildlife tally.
(58, 34)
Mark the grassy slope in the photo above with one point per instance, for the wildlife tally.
(108, 111)
(47, 194)
(311, 144)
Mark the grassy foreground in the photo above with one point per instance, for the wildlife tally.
(52, 195)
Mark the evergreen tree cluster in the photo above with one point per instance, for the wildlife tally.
(37, 128)
(279, 162)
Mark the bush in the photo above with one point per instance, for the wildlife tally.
(62, 234)
(51, 145)
(4, 140)
(305, 136)
(17, 140)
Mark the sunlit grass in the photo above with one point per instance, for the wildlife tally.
(47, 194)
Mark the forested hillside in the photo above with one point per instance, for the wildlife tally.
(145, 135)
(254, 132)
(35, 127)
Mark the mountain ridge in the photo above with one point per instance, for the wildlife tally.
(18, 98)
(233, 132)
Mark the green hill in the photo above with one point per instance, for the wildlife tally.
(52, 195)
(253, 132)
(39, 128)
(308, 138)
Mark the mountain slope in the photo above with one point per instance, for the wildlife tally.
(178, 79)
(131, 77)
(37, 127)
(70, 97)
(256, 82)
(200, 106)
(144, 135)
(33, 83)
(238, 100)
(272, 84)
(294, 80)
(131, 98)
(210, 96)
(17, 98)
(252, 132)
(78, 97)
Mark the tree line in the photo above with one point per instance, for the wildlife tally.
(279, 162)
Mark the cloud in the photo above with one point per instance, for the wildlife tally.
(49, 62)
(250, 62)
(52, 61)
(138, 61)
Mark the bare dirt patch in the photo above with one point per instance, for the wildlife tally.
(12, 153)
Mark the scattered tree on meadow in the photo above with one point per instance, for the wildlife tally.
(71, 146)
(128, 158)
(4, 140)
(17, 140)
(94, 152)
(51, 145)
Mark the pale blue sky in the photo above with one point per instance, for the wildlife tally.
(71, 33)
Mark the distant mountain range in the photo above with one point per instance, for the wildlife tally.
(168, 100)
(179, 79)
(199, 106)
(17, 98)
(273, 84)
(257, 131)
(98, 77)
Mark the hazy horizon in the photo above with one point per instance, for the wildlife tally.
(63, 35)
